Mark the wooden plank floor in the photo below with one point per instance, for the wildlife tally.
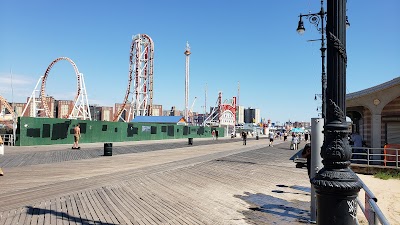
(225, 183)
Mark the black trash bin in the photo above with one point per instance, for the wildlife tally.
(190, 141)
(107, 149)
(257, 137)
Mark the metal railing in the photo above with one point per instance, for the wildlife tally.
(8, 139)
(374, 157)
(370, 209)
(378, 157)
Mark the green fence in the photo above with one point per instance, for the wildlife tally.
(47, 131)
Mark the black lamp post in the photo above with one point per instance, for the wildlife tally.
(336, 185)
(316, 19)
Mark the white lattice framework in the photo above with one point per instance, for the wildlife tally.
(81, 106)
(141, 72)
(213, 118)
(34, 99)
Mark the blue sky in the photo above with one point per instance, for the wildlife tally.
(251, 42)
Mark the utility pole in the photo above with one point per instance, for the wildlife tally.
(237, 105)
(238, 93)
(205, 104)
(336, 185)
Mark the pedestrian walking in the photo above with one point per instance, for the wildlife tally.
(294, 144)
(77, 135)
(244, 136)
(271, 138)
(213, 134)
(285, 136)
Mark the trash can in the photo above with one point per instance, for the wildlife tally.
(257, 137)
(190, 141)
(107, 149)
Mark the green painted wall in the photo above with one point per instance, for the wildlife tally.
(47, 131)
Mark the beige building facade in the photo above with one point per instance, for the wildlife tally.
(375, 113)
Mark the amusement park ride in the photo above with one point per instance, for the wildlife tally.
(141, 64)
(139, 91)
(223, 114)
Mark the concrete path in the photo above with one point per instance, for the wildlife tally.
(154, 182)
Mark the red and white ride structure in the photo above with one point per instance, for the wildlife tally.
(40, 107)
(141, 73)
(228, 112)
(223, 114)
(141, 91)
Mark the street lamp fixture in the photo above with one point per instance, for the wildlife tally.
(300, 28)
(315, 97)
(347, 23)
(318, 19)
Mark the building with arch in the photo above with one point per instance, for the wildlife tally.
(375, 113)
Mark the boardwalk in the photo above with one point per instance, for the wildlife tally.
(154, 182)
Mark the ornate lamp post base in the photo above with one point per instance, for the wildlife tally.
(336, 185)
(336, 192)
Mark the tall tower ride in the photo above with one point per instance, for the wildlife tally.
(187, 54)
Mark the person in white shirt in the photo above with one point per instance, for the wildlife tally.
(295, 141)
(271, 138)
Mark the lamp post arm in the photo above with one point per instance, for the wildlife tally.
(310, 14)
(316, 18)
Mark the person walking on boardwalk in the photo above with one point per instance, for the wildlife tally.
(213, 134)
(271, 138)
(244, 136)
(295, 141)
(77, 135)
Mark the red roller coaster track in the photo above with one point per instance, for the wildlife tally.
(141, 64)
(46, 74)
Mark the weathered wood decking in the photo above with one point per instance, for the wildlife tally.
(220, 182)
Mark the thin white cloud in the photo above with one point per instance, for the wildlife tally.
(14, 79)
(16, 87)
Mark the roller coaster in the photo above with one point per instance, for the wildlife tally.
(141, 66)
(141, 91)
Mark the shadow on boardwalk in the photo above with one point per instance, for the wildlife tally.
(40, 212)
(267, 209)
